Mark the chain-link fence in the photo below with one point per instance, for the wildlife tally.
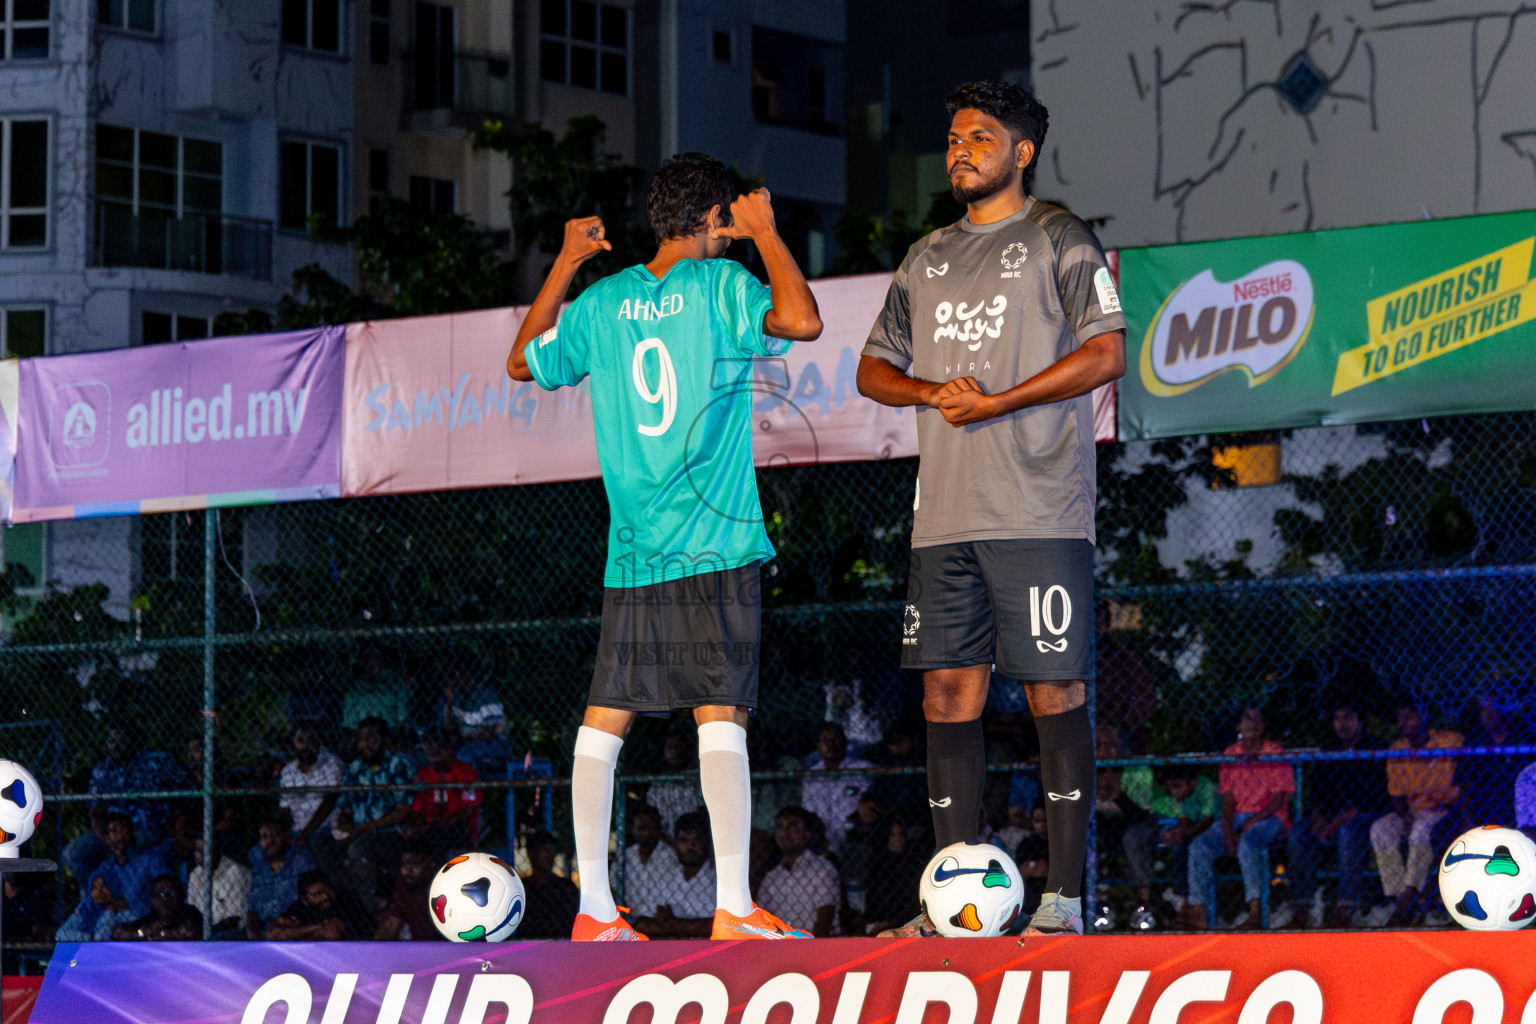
(192, 662)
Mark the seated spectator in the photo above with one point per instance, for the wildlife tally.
(905, 796)
(312, 765)
(1253, 816)
(1346, 796)
(647, 860)
(1487, 782)
(867, 833)
(118, 889)
(674, 799)
(448, 819)
(833, 800)
(28, 910)
(231, 892)
(1185, 805)
(1015, 827)
(890, 897)
(685, 894)
(1422, 791)
(276, 867)
(409, 915)
(363, 841)
(1127, 822)
(552, 900)
(803, 890)
(376, 692)
(1126, 689)
(1033, 856)
(170, 918)
(127, 768)
(321, 914)
(471, 711)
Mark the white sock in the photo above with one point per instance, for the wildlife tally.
(723, 775)
(596, 756)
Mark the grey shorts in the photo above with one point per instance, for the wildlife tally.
(680, 644)
(1024, 605)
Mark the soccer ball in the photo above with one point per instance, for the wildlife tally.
(971, 889)
(477, 898)
(21, 808)
(1488, 879)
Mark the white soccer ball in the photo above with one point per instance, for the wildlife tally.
(1488, 879)
(972, 889)
(21, 808)
(476, 897)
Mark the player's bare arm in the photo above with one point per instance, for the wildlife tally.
(880, 381)
(794, 316)
(583, 240)
(1096, 362)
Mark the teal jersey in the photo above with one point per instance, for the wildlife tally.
(671, 369)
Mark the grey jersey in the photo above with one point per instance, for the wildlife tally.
(1001, 302)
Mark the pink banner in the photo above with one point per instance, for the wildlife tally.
(429, 405)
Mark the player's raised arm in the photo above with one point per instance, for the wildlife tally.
(583, 240)
(794, 315)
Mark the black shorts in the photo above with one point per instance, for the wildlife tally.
(681, 644)
(1024, 605)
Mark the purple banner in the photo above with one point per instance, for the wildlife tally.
(229, 421)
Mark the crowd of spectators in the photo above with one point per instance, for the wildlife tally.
(360, 815)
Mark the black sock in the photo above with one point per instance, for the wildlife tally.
(1066, 775)
(957, 769)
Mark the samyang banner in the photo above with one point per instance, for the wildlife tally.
(199, 424)
(10, 383)
(1432, 318)
(429, 405)
(1223, 977)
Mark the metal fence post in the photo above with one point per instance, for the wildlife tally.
(210, 625)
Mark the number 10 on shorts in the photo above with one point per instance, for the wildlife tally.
(1054, 615)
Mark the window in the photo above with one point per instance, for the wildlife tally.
(721, 46)
(434, 197)
(160, 328)
(309, 184)
(378, 31)
(795, 80)
(25, 332)
(584, 43)
(138, 15)
(158, 171)
(24, 185)
(434, 72)
(378, 170)
(25, 27)
(25, 545)
(313, 24)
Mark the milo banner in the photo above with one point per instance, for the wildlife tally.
(1354, 326)
(1403, 977)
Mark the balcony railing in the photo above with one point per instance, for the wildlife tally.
(457, 90)
(196, 242)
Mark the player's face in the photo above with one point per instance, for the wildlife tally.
(983, 159)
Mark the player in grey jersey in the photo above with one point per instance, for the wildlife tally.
(998, 328)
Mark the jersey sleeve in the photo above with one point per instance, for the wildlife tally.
(561, 356)
(1088, 293)
(891, 336)
(742, 301)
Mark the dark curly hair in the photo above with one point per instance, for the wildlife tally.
(682, 192)
(1014, 106)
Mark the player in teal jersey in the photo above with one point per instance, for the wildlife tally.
(669, 348)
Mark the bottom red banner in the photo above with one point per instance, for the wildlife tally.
(1417, 977)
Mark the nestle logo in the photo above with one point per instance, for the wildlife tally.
(1261, 287)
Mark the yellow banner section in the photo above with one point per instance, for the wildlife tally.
(1448, 311)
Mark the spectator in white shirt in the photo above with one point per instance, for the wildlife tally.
(312, 765)
(647, 861)
(833, 799)
(231, 892)
(803, 889)
(685, 896)
(674, 799)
